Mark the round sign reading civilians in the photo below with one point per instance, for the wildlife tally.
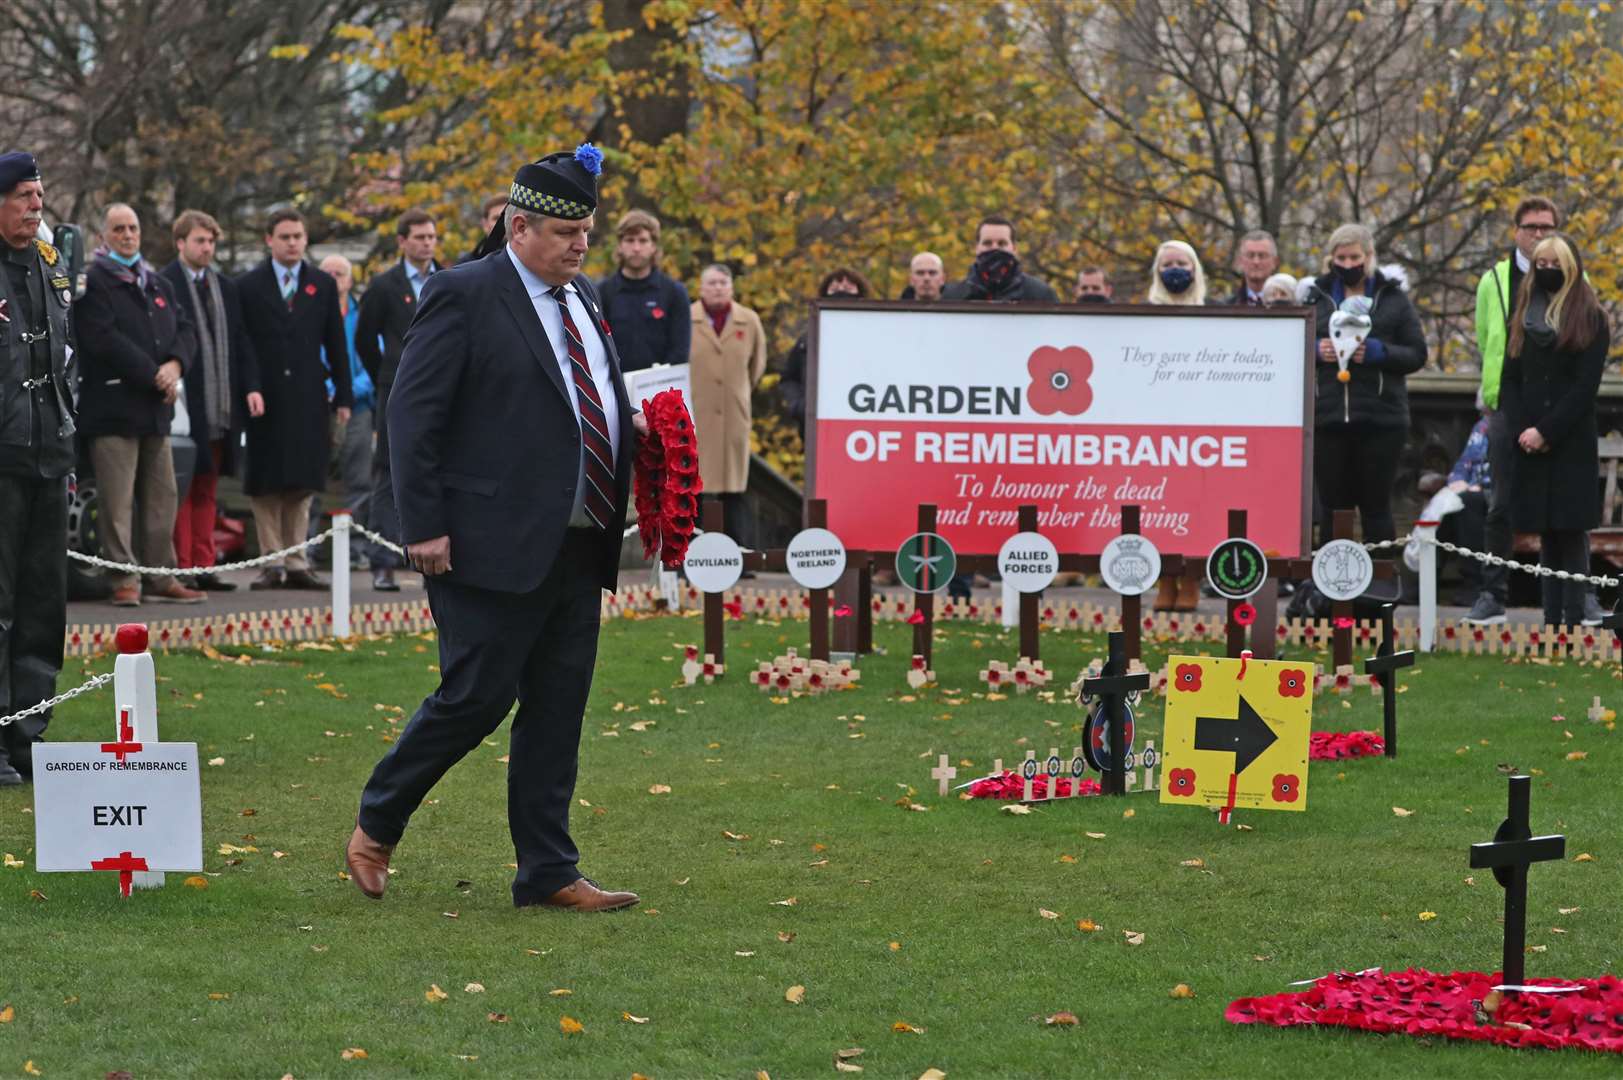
(714, 562)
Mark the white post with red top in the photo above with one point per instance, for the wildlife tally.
(135, 708)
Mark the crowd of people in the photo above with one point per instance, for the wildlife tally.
(280, 372)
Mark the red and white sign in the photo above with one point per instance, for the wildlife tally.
(1187, 413)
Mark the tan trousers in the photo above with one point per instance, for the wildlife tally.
(127, 468)
(282, 520)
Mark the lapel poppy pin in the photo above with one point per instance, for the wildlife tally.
(160, 302)
(408, 298)
(310, 290)
(659, 313)
(741, 335)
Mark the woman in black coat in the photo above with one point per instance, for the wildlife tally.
(1553, 362)
(1360, 422)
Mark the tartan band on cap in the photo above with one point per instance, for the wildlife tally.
(541, 203)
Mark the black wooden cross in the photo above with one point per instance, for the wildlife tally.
(1384, 666)
(1112, 685)
(1512, 850)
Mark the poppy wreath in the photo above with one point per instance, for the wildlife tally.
(1336, 745)
(667, 479)
(1010, 786)
(1424, 1003)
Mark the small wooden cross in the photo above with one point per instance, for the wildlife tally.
(1028, 772)
(1113, 683)
(943, 774)
(1383, 667)
(1510, 852)
(1078, 765)
(1597, 712)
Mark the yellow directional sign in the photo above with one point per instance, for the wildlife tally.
(1237, 732)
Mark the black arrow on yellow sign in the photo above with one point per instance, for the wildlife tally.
(1245, 736)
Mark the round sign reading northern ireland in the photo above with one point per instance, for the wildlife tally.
(1236, 568)
(925, 562)
(1028, 562)
(1342, 569)
(1130, 565)
(714, 562)
(815, 558)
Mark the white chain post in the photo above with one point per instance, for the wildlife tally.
(135, 694)
(341, 521)
(1426, 533)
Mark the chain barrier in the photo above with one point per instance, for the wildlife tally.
(96, 682)
(1493, 560)
(178, 571)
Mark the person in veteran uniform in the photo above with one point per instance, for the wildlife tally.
(511, 448)
(36, 456)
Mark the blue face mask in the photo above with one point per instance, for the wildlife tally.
(1177, 279)
(122, 260)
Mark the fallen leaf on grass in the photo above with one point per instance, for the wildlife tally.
(354, 1053)
(1583, 856)
(1133, 937)
(1577, 755)
(743, 952)
(660, 789)
(902, 1027)
(786, 936)
(786, 902)
(570, 1026)
(35, 894)
(1067, 858)
(1193, 862)
(1401, 812)
(734, 835)
(1126, 814)
(1569, 910)
(896, 946)
(1088, 926)
(1538, 948)
(474, 988)
(795, 995)
(932, 1074)
(1016, 808)
(1062, 1019)
(848, 1053)
(1427, 916)
(13, 863)
(497, 1018)
(846, 1066)
(628, 1018)
(28, 1067)
(560, 992)
(1094, 835)
(1045, 913)
(221, 761)
(8, 1014)
(1556, 930)
(1181, 991)
(434, 994)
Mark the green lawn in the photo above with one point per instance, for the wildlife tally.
(930, 919)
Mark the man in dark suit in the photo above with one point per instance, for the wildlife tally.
(290, 312)
(380, 333)
(222, 387)
(512, 448)
(1257, 260)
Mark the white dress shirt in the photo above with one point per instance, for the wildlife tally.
(285, 274)
(597, 359)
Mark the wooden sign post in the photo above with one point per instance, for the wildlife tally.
(924, 602)
(715, 638)
(817, 518)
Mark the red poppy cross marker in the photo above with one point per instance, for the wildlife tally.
(126, 743)
(126, 867)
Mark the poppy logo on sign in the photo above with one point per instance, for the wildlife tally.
(1059, 380)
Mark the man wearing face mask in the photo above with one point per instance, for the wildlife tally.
(1093, 286)
(995, 274)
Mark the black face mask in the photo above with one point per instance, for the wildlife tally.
(1350, 275)
(1549, 278)
(1093, 298)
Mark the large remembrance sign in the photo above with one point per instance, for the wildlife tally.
(979, 408)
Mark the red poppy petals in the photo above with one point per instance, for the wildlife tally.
(310, 290)
(1059, 380)
(1009, 785)
(1181, 782)
(1336, 745)
(1292, 682)
(666, 467)
(1187, 678)
(1287, 787)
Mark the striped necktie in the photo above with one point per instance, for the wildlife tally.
(289, 282)
(594, 428)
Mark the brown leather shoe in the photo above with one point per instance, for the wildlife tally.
(272, 577)
(368, 863)
(584, 895)
(126, 596)
(176, 593)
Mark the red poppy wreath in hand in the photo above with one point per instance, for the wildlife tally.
(667, 479)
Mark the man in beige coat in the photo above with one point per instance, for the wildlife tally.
(727, 359)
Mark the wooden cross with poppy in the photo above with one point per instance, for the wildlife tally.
(1511, 851)
(1112, 685)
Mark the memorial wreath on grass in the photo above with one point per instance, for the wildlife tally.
(667, 479)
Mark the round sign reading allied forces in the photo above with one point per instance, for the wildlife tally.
(1236, 568)
(1343, 570)
(1028, 562)
(714, 562)
(1130, 565)
(925, 562)
(815, 558)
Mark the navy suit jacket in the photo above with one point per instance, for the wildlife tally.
(484, 441)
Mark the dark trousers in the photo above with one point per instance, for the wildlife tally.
(1496, 534)
(538, 647)
(1564, 549)
(1354, 467)
(33, 603)
(381, 515)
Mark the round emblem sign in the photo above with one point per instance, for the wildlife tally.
(1342, 569)
(925, 562)
(713, 562)
(1028, 561)
(815, 558)
(1130, 565)
(1236, 568)
(1096, 736)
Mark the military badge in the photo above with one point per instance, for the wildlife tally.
(46, 252)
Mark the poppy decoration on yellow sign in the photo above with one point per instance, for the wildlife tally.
(1237, 733)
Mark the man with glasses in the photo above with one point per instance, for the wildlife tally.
(1536, 217)
(1257, 259)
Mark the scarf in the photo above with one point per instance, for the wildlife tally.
(718, 316)
(214, 352)
(995, 273)
(1536, 323)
